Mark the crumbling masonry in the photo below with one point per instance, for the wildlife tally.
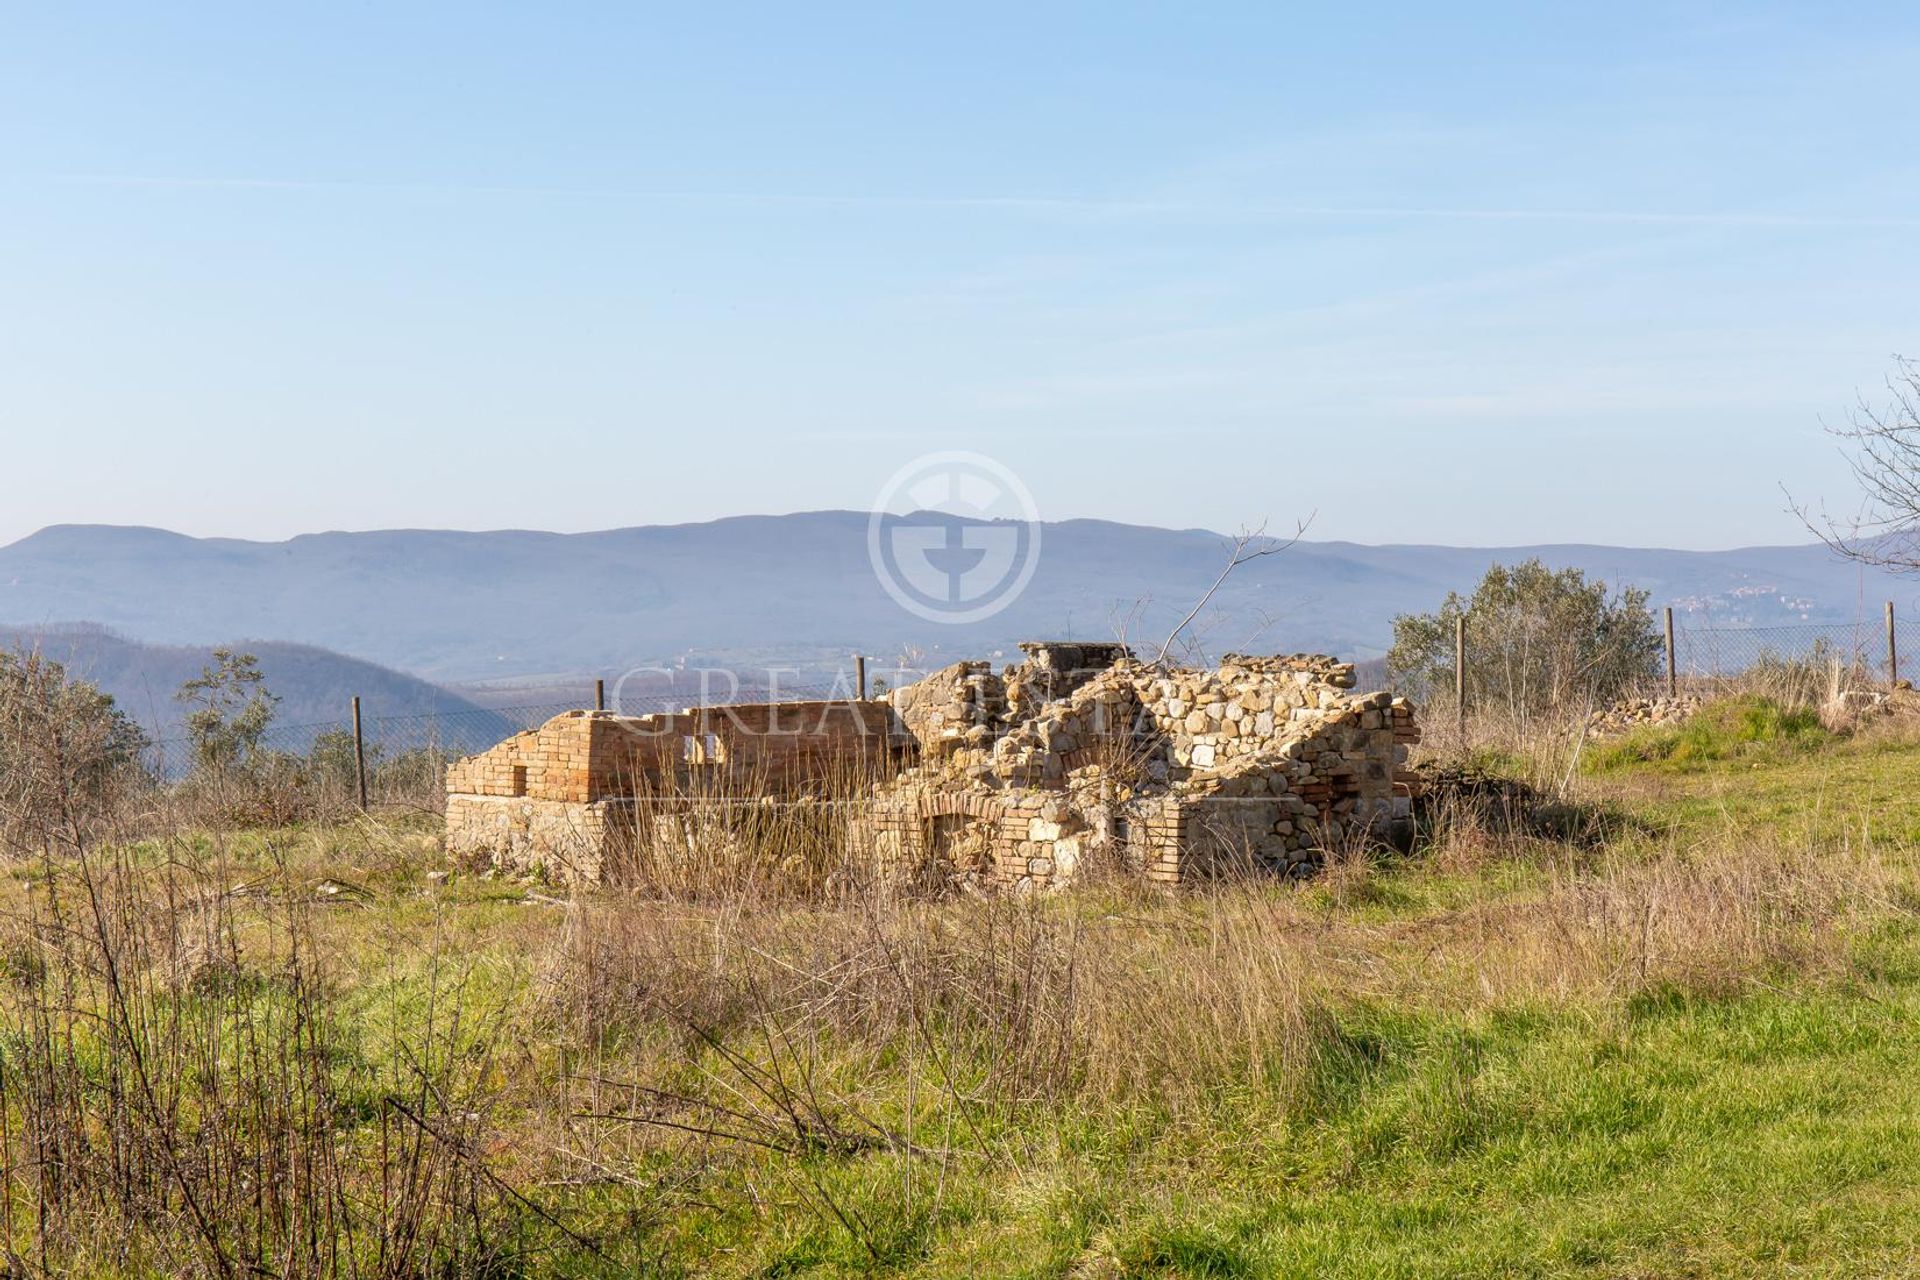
(1012, 779)
(566, 797)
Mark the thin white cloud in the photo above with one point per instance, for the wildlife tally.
(1216, 208)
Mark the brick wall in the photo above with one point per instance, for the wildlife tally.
(554, 795)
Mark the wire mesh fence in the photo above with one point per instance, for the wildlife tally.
(1502, 675)
(446, 734)
(401, 750)
(1868, 649)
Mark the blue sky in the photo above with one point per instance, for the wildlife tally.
(1473, 274)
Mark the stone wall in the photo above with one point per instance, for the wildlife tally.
(563, 796)
(967, 705)
(1021, 779)
(568, 840)
(1169, 773)
(1054, 669)
(957, 706)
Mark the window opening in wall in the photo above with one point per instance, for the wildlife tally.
(705, 749)
(957, 842)
(519, 779)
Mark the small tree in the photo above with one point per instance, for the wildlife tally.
(1538, 640)
(332, 762)
(66, 751)
(231, 712)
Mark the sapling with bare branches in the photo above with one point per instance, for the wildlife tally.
(1247, 545)
(1881, 444)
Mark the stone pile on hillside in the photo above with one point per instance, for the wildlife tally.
(1629, 714)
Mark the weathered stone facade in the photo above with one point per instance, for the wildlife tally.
(1012, 779)
(1173, 774)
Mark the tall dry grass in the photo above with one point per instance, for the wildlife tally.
(278, 788)
(185, 1087)
(1138, 996)
(746, 835)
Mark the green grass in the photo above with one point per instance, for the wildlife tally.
(1745, 727)
(1771, 1131)
(1686, 1141)
(1772, 1134)
(1758, 1119)
(1804, 786)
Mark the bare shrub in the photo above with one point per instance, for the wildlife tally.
(180, 1092)
(69, 760)
(183, 1093)
(1882, 446)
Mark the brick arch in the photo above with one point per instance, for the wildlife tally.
(959, 832)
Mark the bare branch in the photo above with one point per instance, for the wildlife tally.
(1882, 449)
(1248, 544)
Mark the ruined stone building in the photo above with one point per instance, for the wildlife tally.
(567, 795)
(1016, 778)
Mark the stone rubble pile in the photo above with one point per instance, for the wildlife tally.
(1629, 714)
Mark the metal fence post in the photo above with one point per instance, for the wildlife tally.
(1460, 673)
(1673, 682)
(1893, 652)
(359, 754)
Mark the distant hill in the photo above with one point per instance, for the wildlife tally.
(315, 687)
(798, 589)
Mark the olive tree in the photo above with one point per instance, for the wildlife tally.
(231, 712)
(1539, 640)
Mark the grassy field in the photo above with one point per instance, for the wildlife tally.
(1671, 1029)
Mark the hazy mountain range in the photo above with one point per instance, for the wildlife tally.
(315, 686)
(519, 606)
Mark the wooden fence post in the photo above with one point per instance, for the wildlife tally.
(1893, 653)
(1460, 673)
(359, 754)
(1673, 681)
(599, 695)
(860, 674)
